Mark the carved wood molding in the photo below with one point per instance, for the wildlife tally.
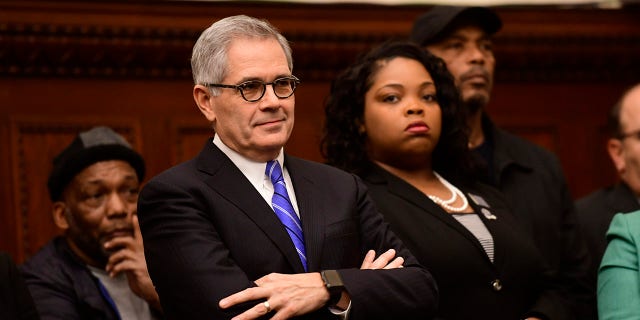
(535, 45)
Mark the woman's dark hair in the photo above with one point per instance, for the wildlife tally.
(343, 144)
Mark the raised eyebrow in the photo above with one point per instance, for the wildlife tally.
(392, 85)
(428, 85)
(283, 76)
(247, 79)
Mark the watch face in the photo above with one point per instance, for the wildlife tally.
(332, 278)
(333, 282)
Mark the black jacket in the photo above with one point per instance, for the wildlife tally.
(63, 287)
(595, 212)
(534, 186)
(15, 300)
(516, 285)
(205, 221)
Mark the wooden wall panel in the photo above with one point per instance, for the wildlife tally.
(66, 65)
(189, 135)
(35, 142)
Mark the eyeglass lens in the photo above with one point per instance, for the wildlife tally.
(254, 90)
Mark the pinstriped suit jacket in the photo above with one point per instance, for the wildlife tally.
(208, 233)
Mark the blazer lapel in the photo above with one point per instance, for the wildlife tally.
(487, 215)
(229, 182)
(406, 191)
(309, 205)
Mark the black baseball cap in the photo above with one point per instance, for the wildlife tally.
(95, 145)
(435, 23)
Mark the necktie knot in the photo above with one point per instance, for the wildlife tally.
(274, 172)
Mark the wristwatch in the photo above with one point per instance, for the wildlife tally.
(333, 282)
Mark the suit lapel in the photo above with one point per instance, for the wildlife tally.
(227, 180)
(309, 205)
(484, 211)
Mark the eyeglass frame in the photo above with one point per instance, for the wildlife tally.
(634, 134)
(238, 87)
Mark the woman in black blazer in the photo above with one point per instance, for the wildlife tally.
(392, 117)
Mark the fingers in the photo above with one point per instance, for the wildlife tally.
(255, 312)
(384, 261)
(242, 296)
(124, 260)
(368, 259)
(119, 243)
(137, 234)
(396, 263)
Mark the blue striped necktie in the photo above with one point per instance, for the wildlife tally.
(284, 210)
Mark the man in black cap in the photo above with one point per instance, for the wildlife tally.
(530, 177)
(97, 268)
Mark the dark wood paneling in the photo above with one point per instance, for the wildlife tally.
(67, 65)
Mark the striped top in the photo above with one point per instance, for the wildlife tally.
(473, 223)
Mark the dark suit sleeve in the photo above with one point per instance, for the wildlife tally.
(189, 264)
(406, 293)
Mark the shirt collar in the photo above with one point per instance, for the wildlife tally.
(253, 170)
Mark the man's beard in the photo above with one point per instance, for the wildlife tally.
(475, 103)
(91, 247)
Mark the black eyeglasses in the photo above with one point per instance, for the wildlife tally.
(253, 90)
(635, 134)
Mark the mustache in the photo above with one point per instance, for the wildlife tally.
(475, 72)
(121, 227)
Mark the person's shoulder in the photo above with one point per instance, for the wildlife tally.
(6, 263)
(50, 262)
(630, 218)
(596, 197)
(176, 173)
(627, 224)
(523, 146)
(315, 168)
(530, 155)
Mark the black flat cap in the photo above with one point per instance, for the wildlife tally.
(434, 23)
(89, 147)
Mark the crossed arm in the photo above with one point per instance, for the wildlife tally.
(291, 295)
(208, 258)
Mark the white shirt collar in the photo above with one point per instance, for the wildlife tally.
(253, 170)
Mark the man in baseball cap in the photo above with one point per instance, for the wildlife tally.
(529, 176)
(441, 20)
(97, 268)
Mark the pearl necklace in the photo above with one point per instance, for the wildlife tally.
(446, 204)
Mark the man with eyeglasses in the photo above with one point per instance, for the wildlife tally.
(596, 210)
(245, 231)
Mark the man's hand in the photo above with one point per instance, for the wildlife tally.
(288, 295)
(384, 261)
(129, 258)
